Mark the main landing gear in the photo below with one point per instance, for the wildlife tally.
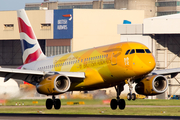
(131, 96)
(118, 102)
(53, 101)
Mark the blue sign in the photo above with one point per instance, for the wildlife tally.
(126, 22)
(63, 24)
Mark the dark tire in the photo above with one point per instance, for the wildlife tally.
(49, 103)
(133, 96)
(113, 104)
(57, 104)
(129, 97)
(122, 104)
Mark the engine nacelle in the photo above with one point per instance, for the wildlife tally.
(53, 85)
(152, 85)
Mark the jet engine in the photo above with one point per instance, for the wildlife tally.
(53, 85)
(152, 85)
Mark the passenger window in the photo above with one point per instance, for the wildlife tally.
(140, 51)
(127, 52)
(147, 51)
(132, 51)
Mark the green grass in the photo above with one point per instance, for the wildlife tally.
(41, 102)
(156, 102)
(40, 108)
(170, 111)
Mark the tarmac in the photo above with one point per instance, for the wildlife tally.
(81, 117)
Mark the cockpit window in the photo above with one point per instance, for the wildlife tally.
(147, 51)
(140, 51)
(132, 51)
(127, 52)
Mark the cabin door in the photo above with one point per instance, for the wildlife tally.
(114, 58)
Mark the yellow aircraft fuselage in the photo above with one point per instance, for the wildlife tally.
(106, 66)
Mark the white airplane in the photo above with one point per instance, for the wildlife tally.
(91, 69)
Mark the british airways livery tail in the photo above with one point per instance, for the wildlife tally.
(30, 46)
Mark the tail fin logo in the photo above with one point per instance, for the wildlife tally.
(26, 29)
(30, 46)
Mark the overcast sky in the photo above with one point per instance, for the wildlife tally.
(6, 5)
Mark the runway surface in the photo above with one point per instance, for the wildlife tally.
(81, 117)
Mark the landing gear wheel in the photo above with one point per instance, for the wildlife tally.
(49, 103)
(122, 104)
(133, 96)
(57, 104)
(113, 104)
(118, 102)
(129, 96)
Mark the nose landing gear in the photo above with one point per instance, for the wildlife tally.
(131, 96)
(53, 101)
(118, 102)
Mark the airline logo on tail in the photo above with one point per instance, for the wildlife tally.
(30, 46)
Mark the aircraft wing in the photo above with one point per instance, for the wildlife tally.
(173, 72)
(31, 76)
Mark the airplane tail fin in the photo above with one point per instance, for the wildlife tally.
(30, 46)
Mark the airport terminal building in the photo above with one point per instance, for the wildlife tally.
(62, 31)
(65, 30)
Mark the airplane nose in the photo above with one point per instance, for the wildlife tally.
(143, 64)
(149, 63)
(152, 63)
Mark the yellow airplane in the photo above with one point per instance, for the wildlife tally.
(101, 67)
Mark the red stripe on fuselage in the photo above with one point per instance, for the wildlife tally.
(33, 57)
(25, 28)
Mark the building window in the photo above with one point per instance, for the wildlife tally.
(56, 50)
(167, 13)
(65, 7)
(167, 4)
(46, 26)
(8, 26)
(108, 6)
(76, 6)
(32, 8)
